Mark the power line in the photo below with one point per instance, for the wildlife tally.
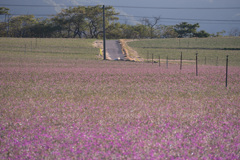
(36, 15)
(32, 5)
(136, 7)
(203, 21)
(178, 21)
(142, 17)
(174, 19)
(21, 5)
(176, 8)
(139, 7)
(184, 19)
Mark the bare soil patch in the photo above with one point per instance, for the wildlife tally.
(130, 53)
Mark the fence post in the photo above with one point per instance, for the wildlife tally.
(147, 56)
(205, 60)
(36, 43)
(104, 35)
(181, 62)
(217, 61)
(227, 71)
(167, 62)
(196, 64)
(152, 58)
(159, 61)
(31, 46)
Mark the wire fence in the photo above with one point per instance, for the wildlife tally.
(216, 59)
(165, 63)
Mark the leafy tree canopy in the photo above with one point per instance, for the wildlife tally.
(4, 10)
(87, 22)
(186, 30)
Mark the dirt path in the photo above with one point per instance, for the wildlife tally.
(114, 50)
(118, 50)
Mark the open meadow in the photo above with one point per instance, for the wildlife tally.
(211, 51)
(65, 104)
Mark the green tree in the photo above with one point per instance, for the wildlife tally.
(201, 34)
(4, 25)
(186, 30)
(167, 31)
(2, 29)
(129, 31)
(124, 28)
(44, 29)
(220, 34)
(20, 26)
(84, 21)
(114, 31)
(4, 11)
(94, 18)
(142, 30)
(71, 22)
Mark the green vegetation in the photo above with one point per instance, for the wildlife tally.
(52, 47)
(188, 30)
(214, 49)
(81, 22)
(4, 10)
(87, 22)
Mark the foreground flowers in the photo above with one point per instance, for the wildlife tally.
(69, 109)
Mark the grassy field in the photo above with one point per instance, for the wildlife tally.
(68, 106)
(55, 48)
(211, 48)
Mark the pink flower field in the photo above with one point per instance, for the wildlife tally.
(76, 109)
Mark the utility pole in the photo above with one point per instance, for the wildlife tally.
(5, 23)
(227, 71)
(8, 26)
(197, 64)
(104, 34)
(181, 61)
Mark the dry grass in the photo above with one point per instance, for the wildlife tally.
(131, 54)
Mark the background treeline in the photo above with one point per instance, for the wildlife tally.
(87, 22)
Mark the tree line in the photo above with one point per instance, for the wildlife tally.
(87, 22)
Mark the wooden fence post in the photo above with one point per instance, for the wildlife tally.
(167, 62)
(227, 71)
(152, 58)
(181, 62)
(196, 64)
(159, 61)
